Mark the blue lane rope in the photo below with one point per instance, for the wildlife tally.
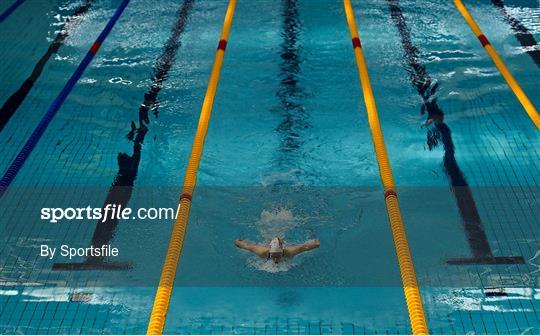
(32, 141)
(10, 10)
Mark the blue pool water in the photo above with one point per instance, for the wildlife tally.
(288, 152)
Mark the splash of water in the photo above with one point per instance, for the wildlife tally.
(276, 222)
(269, 266)
(537, 254)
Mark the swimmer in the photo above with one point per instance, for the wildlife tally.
(277, 251)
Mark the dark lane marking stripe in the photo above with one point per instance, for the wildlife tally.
(420, 79)
(36, 135)
(121, 188)
(15, 100)
(523, 35)
(290, 93)
(10, 10)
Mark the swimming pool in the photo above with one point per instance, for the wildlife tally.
(288, 152)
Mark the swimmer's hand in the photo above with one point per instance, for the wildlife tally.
(240, 243)
(313, 244)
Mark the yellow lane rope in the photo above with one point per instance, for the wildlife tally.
(408, 276)
(168, 273)
(512, 83)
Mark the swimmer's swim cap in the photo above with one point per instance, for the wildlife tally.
(276, 246)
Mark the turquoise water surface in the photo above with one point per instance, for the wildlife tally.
(288, 152)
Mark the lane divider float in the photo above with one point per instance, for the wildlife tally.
(176, 242)
(36, 135)
(408, 276)
(10, 10)
(512, 83)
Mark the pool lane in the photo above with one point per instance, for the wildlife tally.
(91, 135)
(172, 258)
(499, 63)
(31, 44)
(27, 45)
(410, 284)
(36, 135)
(14, 101)
(64, 147)
(121, 189)
(239, 196)
(439, 132)
(493, 148)
(522, 33)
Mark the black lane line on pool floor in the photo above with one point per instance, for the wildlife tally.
(10, 10)
(420, 79)
(290, 92)
(523, 35)
(16, 99)
(128, 165)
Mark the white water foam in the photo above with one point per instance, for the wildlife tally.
(270, 266)
(277, 221)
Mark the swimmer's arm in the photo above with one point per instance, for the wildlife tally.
(261, 251)
(291, 251)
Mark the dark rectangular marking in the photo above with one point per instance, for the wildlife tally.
(356, 43)
(495, 292)
(486, 261)
(92, 266)
(389, 192)
(95, 47)
(222, 45)
(483, 39)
